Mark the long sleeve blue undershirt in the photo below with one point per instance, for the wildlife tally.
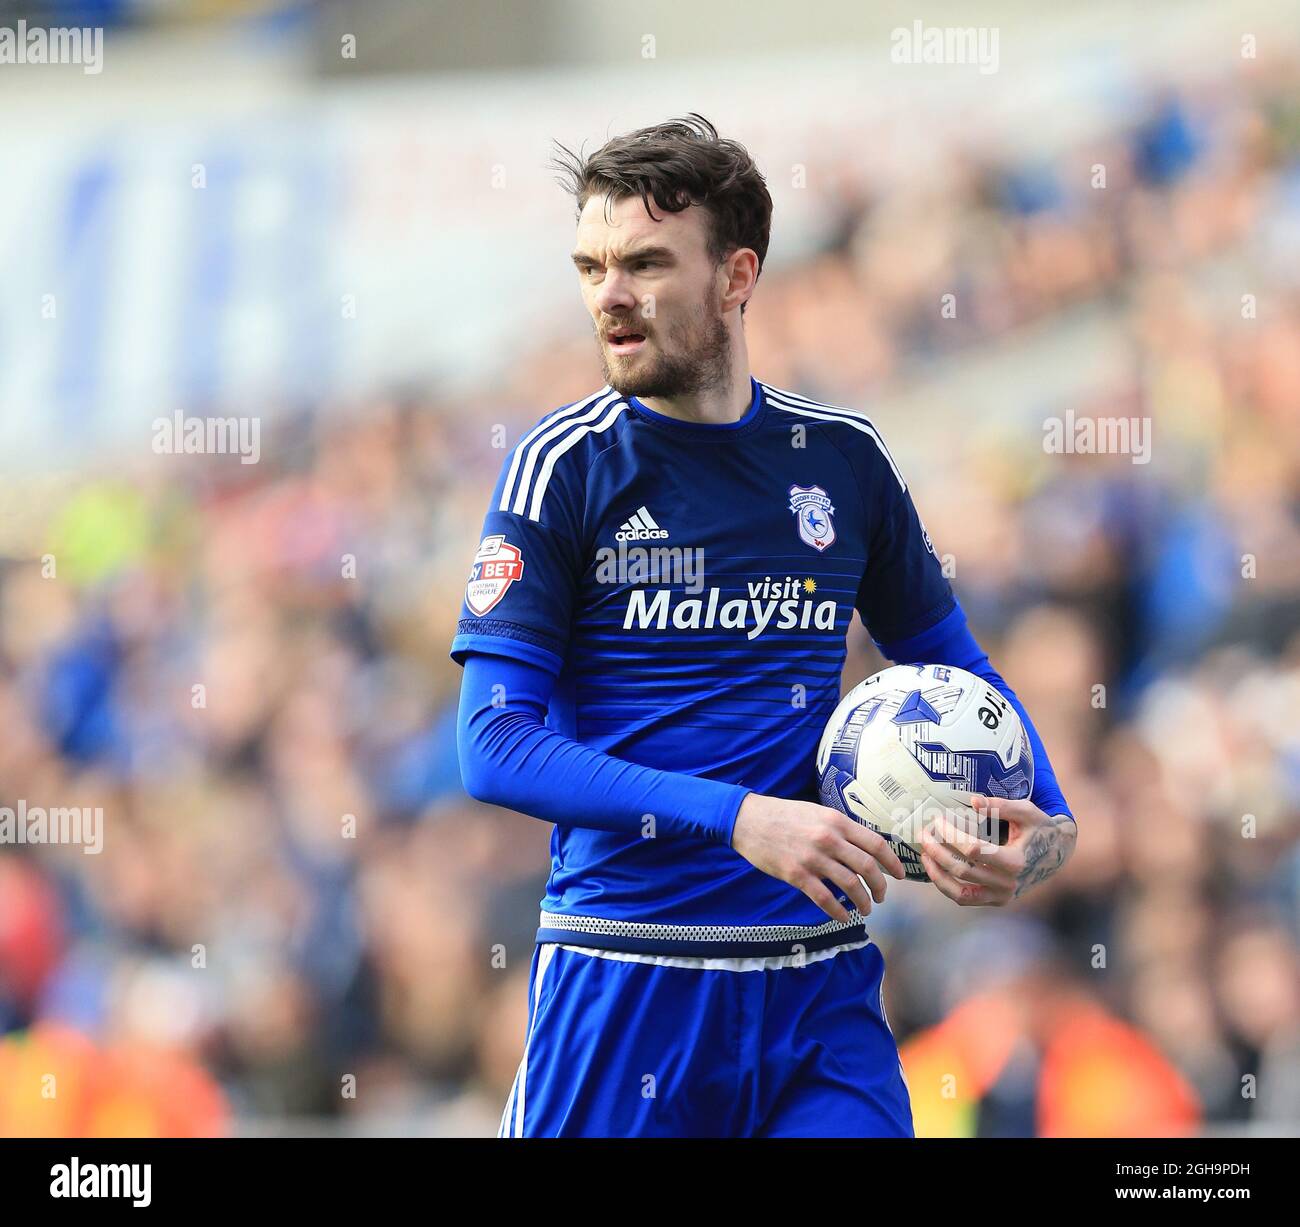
(509, 757)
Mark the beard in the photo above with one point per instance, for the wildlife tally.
(700, 360)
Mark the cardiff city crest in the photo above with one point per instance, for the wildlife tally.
(812, 510)
(496, 566)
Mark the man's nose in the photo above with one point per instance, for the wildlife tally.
(614, 295)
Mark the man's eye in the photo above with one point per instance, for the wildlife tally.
(647, 264)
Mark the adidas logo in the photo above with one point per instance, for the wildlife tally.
(640, 526)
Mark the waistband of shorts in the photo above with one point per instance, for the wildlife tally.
(712, 941)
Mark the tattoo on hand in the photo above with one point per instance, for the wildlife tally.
(1046, 852)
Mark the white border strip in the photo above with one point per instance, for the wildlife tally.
(564, 415)
(833, 413)
(543, 962)
(539, 491)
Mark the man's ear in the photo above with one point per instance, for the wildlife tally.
(740, 272)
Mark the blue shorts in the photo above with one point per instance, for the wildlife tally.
(623, 1048)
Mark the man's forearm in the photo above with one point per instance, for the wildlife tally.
(509, 757)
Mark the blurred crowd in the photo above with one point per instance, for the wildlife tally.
(298, 912)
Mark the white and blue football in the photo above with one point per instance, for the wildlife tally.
(905, 746)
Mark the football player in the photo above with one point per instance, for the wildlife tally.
(652, 638)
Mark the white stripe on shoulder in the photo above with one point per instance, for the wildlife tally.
(792, 402)
(574, 437)
(539, 448)
(551, 420)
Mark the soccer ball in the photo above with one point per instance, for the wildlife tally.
(903, 746)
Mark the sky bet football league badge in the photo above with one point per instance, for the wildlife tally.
(496, 566)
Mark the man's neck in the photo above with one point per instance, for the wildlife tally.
(722, 403)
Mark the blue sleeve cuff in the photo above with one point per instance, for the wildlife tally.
(724, 831)
(923, 645)
(505, 645)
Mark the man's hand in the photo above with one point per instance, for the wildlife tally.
(975, 873)
(802, 843)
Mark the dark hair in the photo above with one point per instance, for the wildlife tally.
(677, 164)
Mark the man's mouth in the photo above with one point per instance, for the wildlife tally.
(624, 340)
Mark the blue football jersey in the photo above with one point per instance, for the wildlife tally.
(691, 586)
